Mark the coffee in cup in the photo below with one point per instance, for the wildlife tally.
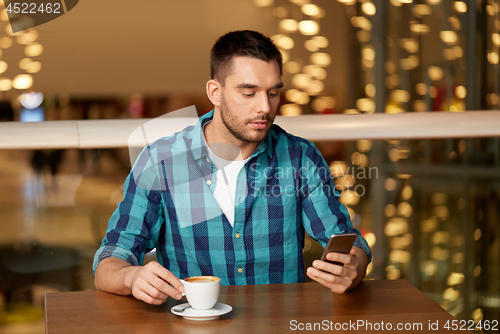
(202, 292)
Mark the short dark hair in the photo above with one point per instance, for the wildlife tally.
(245, 43)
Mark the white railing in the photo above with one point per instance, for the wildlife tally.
(86, 134)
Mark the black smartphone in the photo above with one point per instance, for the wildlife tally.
(339, 243)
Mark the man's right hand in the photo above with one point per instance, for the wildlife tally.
(151, 283)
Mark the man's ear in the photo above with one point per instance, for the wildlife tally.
(214, 92)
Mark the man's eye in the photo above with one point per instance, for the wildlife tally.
(249, 95)
(273, 94)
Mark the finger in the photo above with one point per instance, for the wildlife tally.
(148, 281)
(328, 277)
(337, 288)
(346, 259)
(329, 267)
(166, 289)
(156, 287)
(329, 280)
(167, 276)
(344, 271)
(141, 295)
(146, 286)
(354, 258)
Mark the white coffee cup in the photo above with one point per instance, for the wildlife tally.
(202, 292)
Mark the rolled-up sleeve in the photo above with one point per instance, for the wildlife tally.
(133, 228)
(322, 213)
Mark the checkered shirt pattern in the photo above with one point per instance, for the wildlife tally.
(284, 190)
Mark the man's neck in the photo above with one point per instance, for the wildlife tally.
(216, 132)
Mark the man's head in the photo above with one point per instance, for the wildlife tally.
(246, 78)
(245, 43)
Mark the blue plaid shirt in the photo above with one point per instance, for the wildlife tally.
(286, 189)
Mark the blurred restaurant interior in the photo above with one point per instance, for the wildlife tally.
(430, 212)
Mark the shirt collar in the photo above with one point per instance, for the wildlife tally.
(265, 145)
(199, 149)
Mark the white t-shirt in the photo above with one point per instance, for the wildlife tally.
(224, 193)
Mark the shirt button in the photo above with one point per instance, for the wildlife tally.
(208, 160)
(209, 182)
(240, 270)
(237, 235)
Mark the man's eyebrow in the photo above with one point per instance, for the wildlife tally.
(248, 85)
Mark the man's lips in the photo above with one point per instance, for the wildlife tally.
(259, 124)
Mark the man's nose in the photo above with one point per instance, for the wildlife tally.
(264, 105)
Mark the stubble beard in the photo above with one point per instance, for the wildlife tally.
(234, 129)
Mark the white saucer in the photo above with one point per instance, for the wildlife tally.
(191, 314)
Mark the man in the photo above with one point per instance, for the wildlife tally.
(239, 216)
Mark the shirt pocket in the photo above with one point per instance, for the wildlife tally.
(280, 191)
(280, 199)
(275, 224)
(275, 207)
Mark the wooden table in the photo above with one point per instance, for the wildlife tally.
(263, 309)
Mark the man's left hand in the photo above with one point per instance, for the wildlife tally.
(340, 278)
